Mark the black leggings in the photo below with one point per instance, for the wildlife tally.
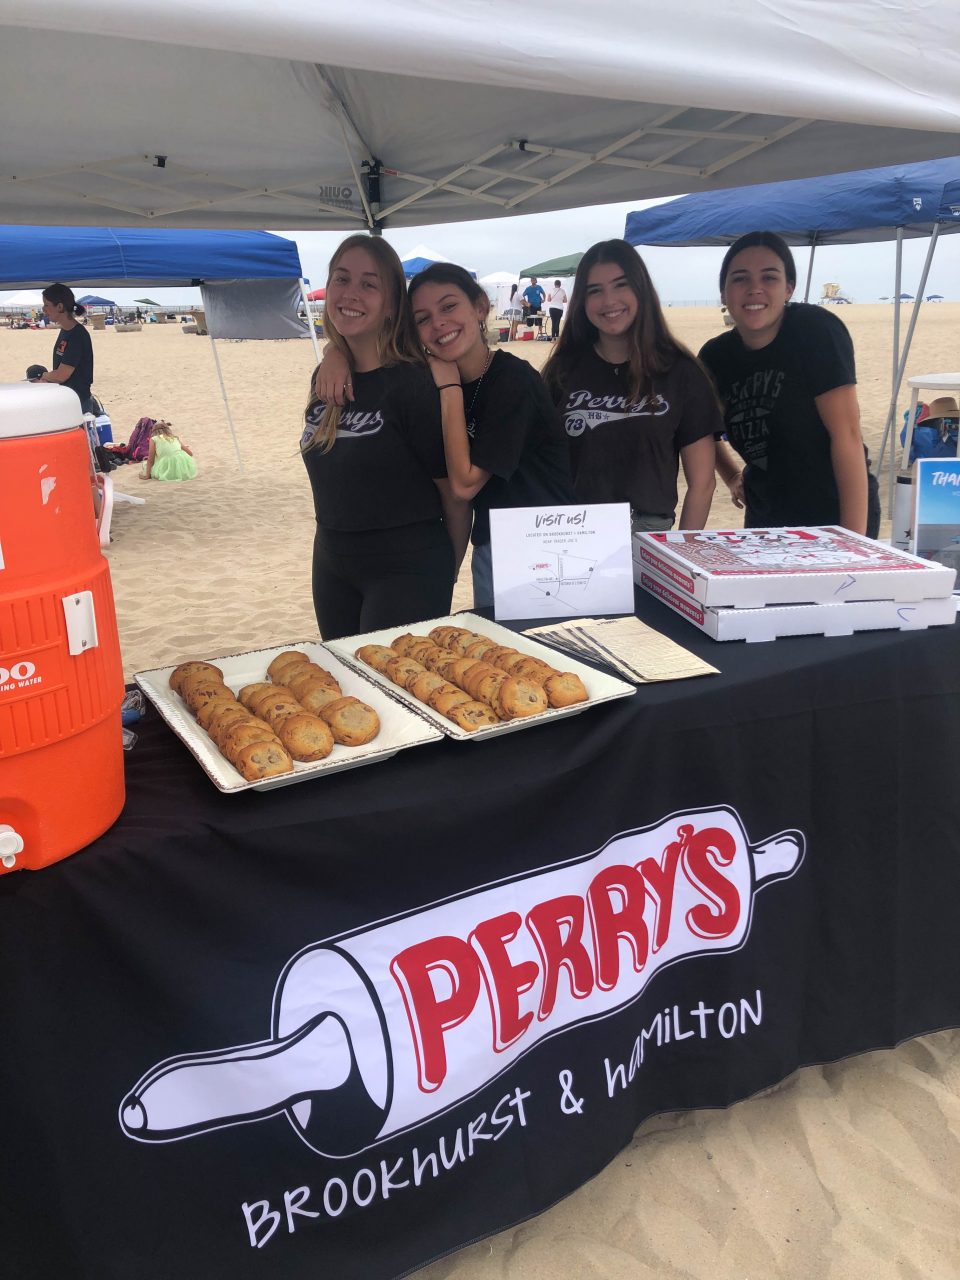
(556, 315)
(379, 578)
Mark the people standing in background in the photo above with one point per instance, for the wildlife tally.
(390, 534)
(534, 296)
(73, 349)
(503, 441)
(787, 378)
(555, 305)
(635, 402)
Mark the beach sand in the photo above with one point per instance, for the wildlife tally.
(846, 1172)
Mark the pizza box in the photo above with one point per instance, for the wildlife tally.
(749, 568)
(601, 686)
(398, 728)
(768, 622)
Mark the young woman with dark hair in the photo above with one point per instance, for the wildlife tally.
(787, 379)
(635, 403)
(390, 533)
(73, 349)
(502, 438)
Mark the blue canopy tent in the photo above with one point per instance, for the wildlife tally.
(94, 300)
(899, 201)
(251, 281)
(31, 257)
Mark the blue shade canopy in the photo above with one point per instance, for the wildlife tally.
(413, 266)
(94, 300)
(843, 208)
(33, 257)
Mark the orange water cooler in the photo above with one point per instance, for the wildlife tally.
(61, 679)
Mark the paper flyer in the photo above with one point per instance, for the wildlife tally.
(560, 562)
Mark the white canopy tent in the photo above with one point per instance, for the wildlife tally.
(343, 116)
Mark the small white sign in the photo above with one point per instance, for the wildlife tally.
(561, 562)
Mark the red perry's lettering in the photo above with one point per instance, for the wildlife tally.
(577, 940)
(667, 569)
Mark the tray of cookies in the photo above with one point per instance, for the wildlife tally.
(474, 679)
(272, 717)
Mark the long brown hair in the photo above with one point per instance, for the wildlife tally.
(653, 348)
(396, 342)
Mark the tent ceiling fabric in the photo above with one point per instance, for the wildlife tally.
(266, 120)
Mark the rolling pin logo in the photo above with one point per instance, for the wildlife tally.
(375, 1032)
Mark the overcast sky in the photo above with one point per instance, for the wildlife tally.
(864, 272)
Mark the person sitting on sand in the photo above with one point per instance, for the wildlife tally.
(169, 458)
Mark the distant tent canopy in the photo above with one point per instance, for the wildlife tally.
(32, 256)
(94, 300)
(566, 266)
(250, 281)
(894, 202)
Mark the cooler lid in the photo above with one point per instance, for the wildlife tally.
(37, 409)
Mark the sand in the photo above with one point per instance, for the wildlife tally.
(847, 1172)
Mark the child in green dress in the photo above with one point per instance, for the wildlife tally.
(169, 458)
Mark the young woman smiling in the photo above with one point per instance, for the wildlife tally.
(503, 441)
(787, 379)
(390, 533)
(635, 403)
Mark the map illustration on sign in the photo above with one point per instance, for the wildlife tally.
(561, 572)
(557, 562)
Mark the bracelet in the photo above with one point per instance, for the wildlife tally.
(447, 385)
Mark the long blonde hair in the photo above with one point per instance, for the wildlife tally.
(397, 341)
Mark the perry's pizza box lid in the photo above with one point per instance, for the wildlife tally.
(748, 568)
(768, 622)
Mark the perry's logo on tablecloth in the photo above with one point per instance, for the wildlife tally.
(375, 1032)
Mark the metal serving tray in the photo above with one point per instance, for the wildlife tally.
(398, 728)
(600, 686)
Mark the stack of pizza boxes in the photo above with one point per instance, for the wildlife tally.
(758, 584)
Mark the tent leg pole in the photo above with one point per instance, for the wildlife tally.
(226, 402)
(313, 332)
(901, 367)
(894, 387)
(813, 250)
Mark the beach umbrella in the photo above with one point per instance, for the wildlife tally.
(566, 266)
(934, 297)
(317, 295)
(905, 297)
(147, 302)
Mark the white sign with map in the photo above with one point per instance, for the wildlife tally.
(561, 562)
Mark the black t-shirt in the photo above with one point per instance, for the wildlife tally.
(74, 347)
(771, 417)
(515, 434)
(388, 451)
(627, 449)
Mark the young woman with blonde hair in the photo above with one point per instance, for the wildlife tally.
(390, 535)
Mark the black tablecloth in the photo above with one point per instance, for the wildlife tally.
(805, 800)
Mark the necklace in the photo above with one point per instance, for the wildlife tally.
(476, 390)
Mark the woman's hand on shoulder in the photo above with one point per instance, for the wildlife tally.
(333, 383)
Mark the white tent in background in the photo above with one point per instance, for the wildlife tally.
(498, 285)
(24, 299)
(342, 116)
